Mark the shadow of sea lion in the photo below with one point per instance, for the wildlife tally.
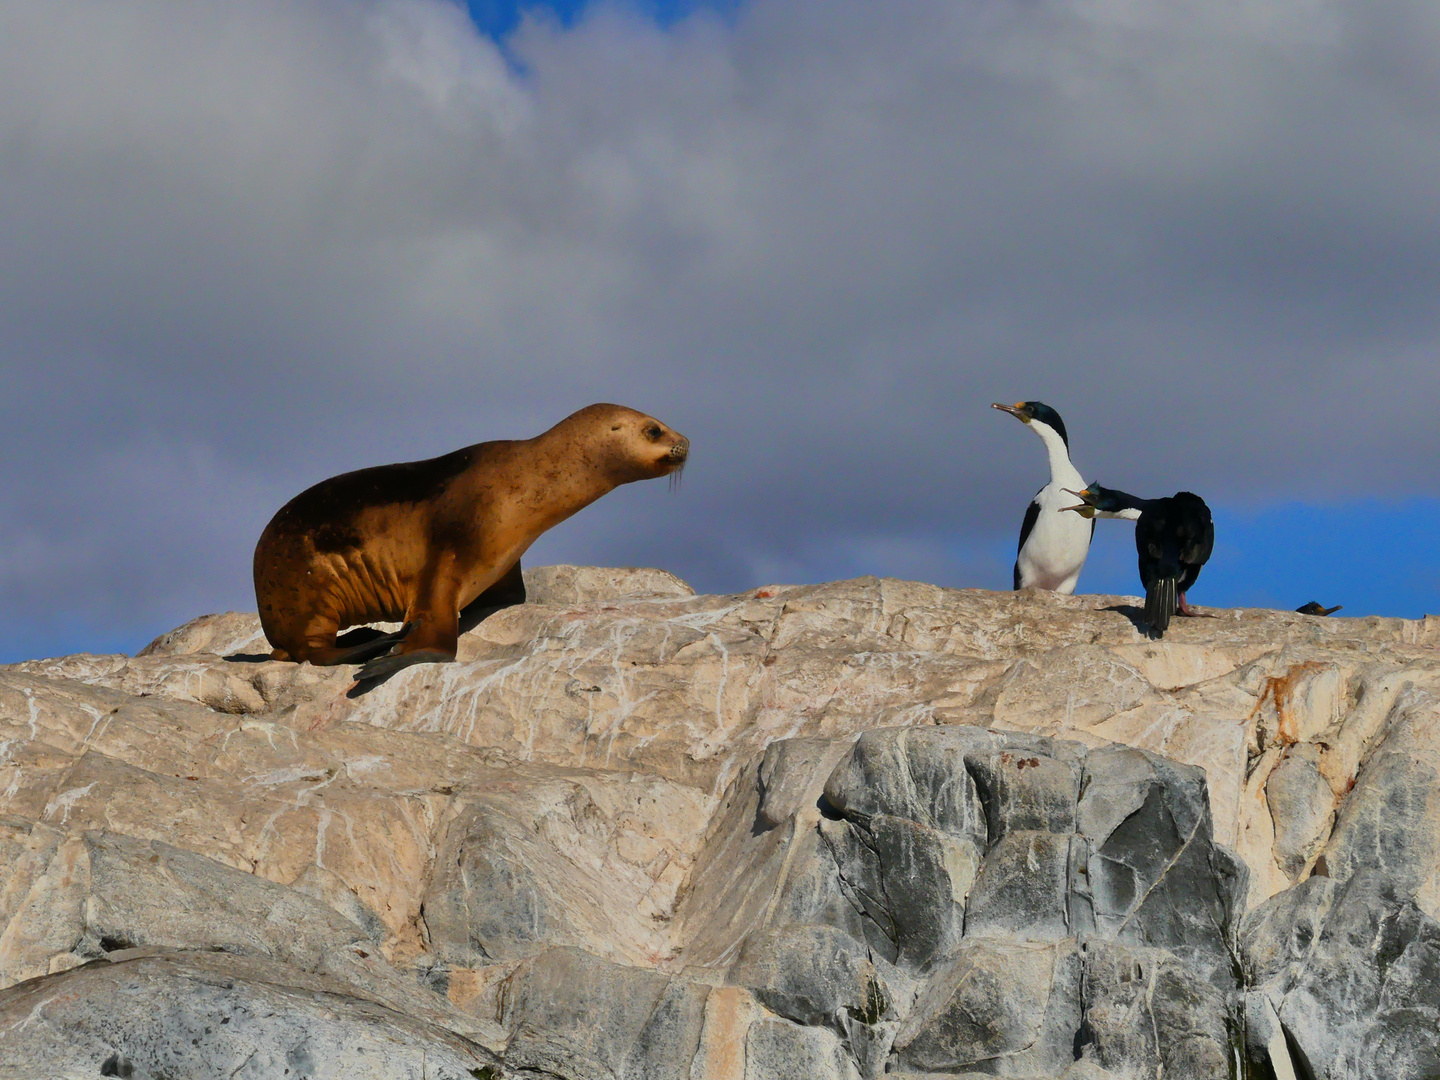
(380, 642)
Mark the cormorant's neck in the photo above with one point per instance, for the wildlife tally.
(1062, 472)
(1125, 506)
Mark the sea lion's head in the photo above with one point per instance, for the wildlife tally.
(630, 445)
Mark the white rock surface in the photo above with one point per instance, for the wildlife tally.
(623, 784)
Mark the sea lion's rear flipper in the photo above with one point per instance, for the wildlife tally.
(366, 643)
(361, 635)
(506, 592)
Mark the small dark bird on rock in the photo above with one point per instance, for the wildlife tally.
(1314, 608)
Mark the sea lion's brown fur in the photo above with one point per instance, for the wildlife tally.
(436, 544)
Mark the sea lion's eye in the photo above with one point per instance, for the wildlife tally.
(653, 431)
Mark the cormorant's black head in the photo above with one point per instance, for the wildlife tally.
(1092, 500)
(1037, 412)
(1102, 500)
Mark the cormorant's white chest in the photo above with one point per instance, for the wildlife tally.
(1053, 554)
(1054, 541)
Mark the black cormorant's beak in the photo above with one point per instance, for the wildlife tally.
(1084, 509)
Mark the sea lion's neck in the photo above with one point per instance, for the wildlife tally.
(564, 473)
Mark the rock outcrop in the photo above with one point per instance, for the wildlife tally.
(864, 828)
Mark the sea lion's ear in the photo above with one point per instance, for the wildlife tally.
(615, 427)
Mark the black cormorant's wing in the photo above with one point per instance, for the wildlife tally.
(1197, 542)
(1149, 539)
(1032, 515)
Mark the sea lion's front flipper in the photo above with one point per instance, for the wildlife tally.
(430, 632)
(380, 665)
(376, 671)
(507, 592)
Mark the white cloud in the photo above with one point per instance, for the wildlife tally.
(318, 234)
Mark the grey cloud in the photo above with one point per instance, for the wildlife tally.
(288, 239)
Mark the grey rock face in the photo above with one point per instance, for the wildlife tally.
(484, 902)
(1390, 821)
(1091, 895)
(1352, 971)
(209, 1016)
(1011, 1009)
(779, 1050)
(1303, 809)
(1154, 875)
(820, 976)
(1022, 890)
(577, 1016)
(918, 774)
(110, 895)
(1149, 1013)
(960, 930)
(909, 883)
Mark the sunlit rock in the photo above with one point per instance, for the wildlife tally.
(865, 828)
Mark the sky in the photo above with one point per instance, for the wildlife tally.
(251, 245)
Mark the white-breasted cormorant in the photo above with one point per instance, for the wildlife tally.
(1053, 545)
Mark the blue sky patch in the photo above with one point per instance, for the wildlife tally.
(498, 18)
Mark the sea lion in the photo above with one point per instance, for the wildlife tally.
(436, 544)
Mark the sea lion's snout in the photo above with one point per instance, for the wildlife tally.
(680, 451)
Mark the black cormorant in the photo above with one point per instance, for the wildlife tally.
(1173, 538)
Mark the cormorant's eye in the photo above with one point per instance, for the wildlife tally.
(653, 431)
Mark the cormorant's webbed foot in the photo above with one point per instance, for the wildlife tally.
(1185, 609)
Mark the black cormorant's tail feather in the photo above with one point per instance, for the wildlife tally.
(1160, 604)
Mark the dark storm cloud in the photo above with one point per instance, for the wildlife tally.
(251, 245)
